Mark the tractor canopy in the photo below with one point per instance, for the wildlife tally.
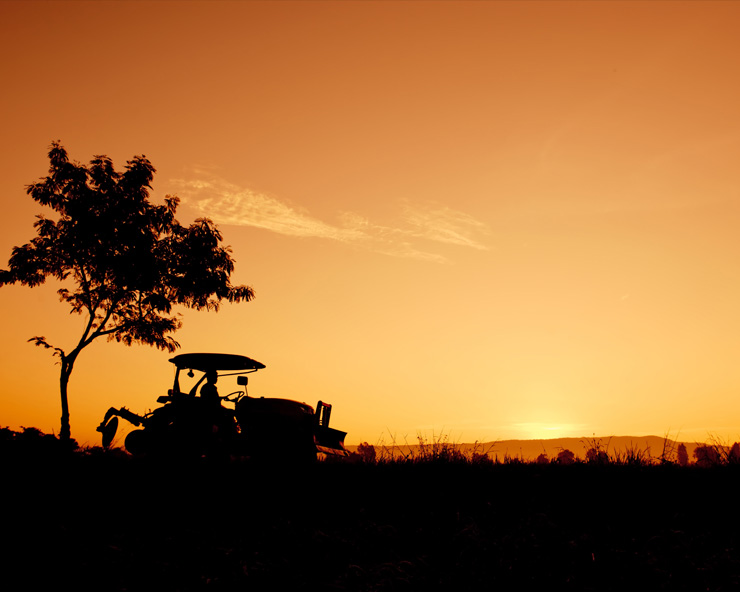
(206, 362)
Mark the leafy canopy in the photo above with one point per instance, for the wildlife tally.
(130, 261)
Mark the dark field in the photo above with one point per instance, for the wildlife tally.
(110, 523)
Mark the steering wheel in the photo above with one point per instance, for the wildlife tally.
(226, 397)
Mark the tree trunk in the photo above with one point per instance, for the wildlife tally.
(68, 363)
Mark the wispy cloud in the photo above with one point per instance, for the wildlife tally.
(418, 225)
(445, 225)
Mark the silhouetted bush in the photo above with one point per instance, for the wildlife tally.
(365, 453)
(478, 458)
(32, 442)
(682, 456)
(734, 455)
(595, 456)
(706, 455)
(565, 457)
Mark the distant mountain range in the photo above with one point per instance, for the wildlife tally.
(653, 446)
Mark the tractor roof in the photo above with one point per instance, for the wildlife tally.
(206, 362)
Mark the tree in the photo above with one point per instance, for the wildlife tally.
(124, 262)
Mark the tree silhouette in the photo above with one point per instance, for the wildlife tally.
(125, 261)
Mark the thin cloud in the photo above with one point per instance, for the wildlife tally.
(227, 203)
(446, 225)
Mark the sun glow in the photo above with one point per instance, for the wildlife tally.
(545, 431)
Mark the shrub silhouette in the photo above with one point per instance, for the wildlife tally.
(733, 456)
(365, 453)
(682, 456)
(566, 457)
(32, 442)
(480, 458)
(706, 456)
(595, 456)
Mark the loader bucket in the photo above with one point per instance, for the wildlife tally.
(109, 431)
(330, 441)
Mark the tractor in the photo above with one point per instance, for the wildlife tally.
(193, 423)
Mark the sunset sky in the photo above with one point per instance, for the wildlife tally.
(489, 220)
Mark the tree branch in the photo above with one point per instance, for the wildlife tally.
(41, 342)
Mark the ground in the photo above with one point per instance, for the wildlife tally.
(115, 523)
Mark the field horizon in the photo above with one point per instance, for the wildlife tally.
(529, 450)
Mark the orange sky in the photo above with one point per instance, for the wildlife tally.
(490, 219)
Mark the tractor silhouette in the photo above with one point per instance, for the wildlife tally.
(196, 423)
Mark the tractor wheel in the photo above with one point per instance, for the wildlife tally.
(137, 442)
